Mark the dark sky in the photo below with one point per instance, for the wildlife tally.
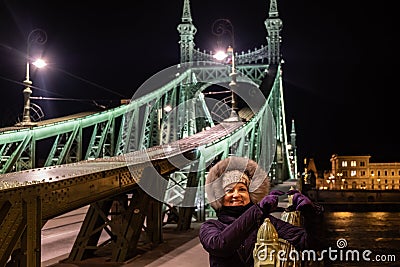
(340, 75)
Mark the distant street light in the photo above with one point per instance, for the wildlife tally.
(222, 27)
(40, 37)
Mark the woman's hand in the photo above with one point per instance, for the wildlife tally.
(301, 203)
(270, 202)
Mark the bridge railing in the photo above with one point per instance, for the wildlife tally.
(258, 55)
(106, 130)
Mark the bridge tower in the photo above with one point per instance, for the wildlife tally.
(281, 168)
(187, 31)
(274, 25)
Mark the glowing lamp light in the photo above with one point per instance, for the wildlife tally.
(39, 63)
(220, 55)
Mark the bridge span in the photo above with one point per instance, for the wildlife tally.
(134, 163)
(30, 198)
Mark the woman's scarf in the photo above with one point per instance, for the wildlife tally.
(233, 211)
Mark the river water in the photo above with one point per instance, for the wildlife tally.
(376, 235)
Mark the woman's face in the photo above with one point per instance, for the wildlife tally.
(236, 195)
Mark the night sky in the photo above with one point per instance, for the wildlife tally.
(340, 70)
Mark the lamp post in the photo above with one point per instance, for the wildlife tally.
(222, 27)
(40, 37)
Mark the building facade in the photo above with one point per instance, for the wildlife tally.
(357, 172)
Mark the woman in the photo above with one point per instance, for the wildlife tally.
(238, 190)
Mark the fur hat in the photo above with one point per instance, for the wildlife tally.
(233, 170)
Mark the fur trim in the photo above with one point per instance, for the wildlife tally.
(259, 181)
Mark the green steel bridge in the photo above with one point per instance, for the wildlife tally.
(133, 163)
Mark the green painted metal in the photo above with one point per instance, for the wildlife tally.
(274, 25)
(66, 134)
(187, 31)
(61, 148)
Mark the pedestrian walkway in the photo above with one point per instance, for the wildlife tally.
(179, 249)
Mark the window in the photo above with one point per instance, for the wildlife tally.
(353, 173)
(353, 163)
(363, 185)
(385, 173)
(362, 163)
(362, 173)
(354, 185)
(344, 163)
(344, 173)
(372, 173)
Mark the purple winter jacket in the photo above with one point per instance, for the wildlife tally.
(230, 241)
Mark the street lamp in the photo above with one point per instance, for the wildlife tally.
(222, 27)
(40, 37)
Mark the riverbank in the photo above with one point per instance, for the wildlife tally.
(356, 200)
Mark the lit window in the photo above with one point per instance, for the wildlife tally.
(353, 173)
(344, 163)
(353, 163)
